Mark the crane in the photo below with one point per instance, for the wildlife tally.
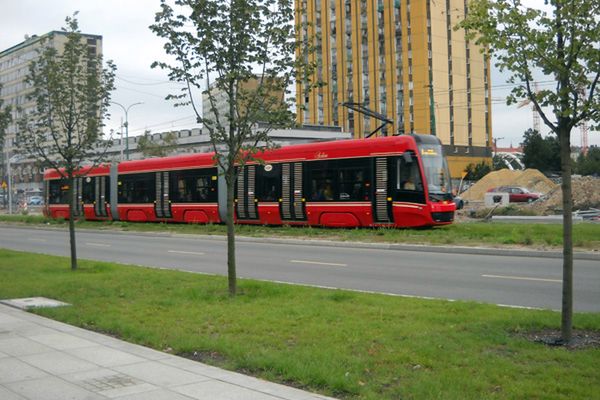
(536, 116)
(583, 128)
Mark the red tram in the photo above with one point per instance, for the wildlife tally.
(399, 181)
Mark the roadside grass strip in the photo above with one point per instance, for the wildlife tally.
(586, 236)
(344, 344)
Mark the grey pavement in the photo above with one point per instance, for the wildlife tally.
(42, 359)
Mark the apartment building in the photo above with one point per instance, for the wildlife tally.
(14, 67)
(402, 59)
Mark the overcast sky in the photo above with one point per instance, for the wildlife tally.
(127, 41)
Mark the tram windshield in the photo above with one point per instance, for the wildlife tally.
(436, 169)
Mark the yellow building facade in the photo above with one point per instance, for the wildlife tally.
(404, 60)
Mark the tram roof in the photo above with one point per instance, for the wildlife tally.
(350, 148)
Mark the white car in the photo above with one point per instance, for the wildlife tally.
(36, 201)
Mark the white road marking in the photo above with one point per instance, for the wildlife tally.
(523, 278)
(98, 244)
(186, 252)
(318, 263)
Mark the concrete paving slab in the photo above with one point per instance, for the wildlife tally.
(160, 394)
(29, 329)
(57, 362)
(6, 394)
(139, 351)
(51, 388)
(217, 390)
(160, 374)
(109, 383)
(105, 356)
(33, 302)
(194, 367)
(20, 346)
(14, 370)
(6, 318)
(120, 393)
(61, 341)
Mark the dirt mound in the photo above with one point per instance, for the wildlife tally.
(586, 194)
(531, 179)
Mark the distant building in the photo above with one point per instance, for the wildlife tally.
(197, 141)
(14, 68)
(402, 59)
(221, 100)
(191, 141)
(511, 149)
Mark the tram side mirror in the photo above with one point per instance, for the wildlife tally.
(407, 158)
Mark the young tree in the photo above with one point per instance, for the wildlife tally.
(477, 171)
(241, 53)
(562, 45)
(162, 148)
(71, 90)
(589, 164)
(541, 153)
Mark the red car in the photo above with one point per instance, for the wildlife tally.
(517, 194)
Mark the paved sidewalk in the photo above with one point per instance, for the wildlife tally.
(41, 359)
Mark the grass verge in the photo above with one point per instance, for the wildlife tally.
(345, 344)
(586, 236)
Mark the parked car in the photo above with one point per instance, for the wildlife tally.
(36, 201)
(516, 194)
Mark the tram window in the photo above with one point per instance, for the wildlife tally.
(58, 192)
(407, 174)
(194, 186)
(88, 189)
(354, 180)
(406, 177)
(268, 182)
(321, 180)
(340, 180)
(137, 188)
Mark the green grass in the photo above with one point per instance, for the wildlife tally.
(340, 343)
(586, 236)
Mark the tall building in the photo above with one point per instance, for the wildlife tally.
(246, 89)
(402, 59)
(14, 67)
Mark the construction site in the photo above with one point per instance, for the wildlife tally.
(585, 191)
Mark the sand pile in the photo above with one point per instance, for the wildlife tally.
(531, 179)
(586, 195)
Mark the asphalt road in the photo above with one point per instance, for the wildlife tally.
(498, 279)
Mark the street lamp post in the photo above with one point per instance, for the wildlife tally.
(126, 111)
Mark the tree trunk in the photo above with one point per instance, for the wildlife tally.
(567, 290)
(231, 273)
(72, 201)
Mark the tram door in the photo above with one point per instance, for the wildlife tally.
(77, 202)
(162, 204)
(94, 191)
(293, 204)
(245, 193)
(382, 204)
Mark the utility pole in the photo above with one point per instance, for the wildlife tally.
(496, 144)
(126, 111)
